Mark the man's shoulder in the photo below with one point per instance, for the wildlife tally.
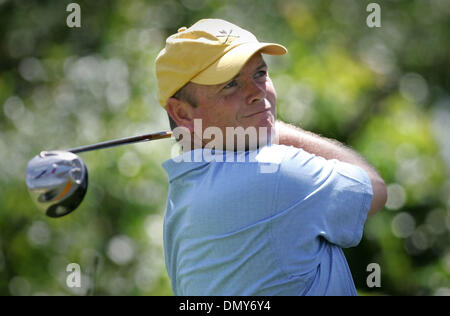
(276, 153)
(284, 154)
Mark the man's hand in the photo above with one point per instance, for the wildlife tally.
(331, 149)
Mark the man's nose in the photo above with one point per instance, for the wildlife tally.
(256, 91)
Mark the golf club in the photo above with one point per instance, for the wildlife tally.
(57, 180)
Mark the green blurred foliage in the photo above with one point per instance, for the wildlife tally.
(383, 91)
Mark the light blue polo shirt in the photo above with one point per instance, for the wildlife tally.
(266, 222)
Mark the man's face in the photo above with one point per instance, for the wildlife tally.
(247, 100)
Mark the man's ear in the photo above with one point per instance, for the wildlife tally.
(181, 112)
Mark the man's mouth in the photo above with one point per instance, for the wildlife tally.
(259, 112)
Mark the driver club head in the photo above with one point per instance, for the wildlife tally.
(57, 181)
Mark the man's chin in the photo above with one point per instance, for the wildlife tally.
(264, 119)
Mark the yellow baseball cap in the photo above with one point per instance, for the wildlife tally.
(209, 52)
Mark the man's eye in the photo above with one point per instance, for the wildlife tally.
(230, 84)
(261, 73)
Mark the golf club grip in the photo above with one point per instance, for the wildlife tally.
(122, 141)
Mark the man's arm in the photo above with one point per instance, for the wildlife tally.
(331, 149)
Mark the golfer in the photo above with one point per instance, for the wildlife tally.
(273, 219)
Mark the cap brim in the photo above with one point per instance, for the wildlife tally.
(229, 65)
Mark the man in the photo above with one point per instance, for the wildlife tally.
(233, 227)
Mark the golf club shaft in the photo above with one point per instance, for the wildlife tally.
(122, 141)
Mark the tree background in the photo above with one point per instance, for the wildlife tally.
(383, 91)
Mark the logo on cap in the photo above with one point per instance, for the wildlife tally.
(228, 36)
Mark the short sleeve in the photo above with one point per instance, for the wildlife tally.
(326, 198)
